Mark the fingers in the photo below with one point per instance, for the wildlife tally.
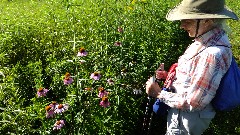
(161, 74)
(161, 67)
(152, 88)
(148, 85)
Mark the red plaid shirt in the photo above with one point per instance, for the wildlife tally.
(198, 77)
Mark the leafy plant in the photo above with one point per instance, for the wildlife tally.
(45, 44)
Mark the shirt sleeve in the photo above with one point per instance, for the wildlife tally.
(205, 81)
(174, 100)
(206, 74)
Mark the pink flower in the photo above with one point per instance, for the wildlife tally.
(104, 103)
(120, 30)
(117, 43)
(53, 105)
(61, 108)
(49, 111)
(42, 92)
(102, 92)
(95, 76)
(82, 52)
(58, 125)
(110, 81)
(67, 80)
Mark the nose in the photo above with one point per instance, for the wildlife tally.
(182, 25)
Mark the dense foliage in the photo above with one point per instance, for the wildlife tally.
(106, 47)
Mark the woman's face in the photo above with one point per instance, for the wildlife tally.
(190, 26)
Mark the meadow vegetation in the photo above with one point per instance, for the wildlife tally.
(90, 60)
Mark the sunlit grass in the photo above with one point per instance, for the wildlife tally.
(125, 41)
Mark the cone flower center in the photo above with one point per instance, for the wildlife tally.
(54, 102)
(60, 106)
(81, 50)
(101, 89)
(48, 108)
(95, 74)
(58, 122)
(105, 99)
(67, 75)
(40, 90)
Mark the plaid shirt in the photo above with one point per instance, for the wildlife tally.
(199, 72)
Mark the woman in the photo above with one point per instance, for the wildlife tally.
(200, 68)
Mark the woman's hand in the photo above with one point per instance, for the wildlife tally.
(161, 74)
(152, 88)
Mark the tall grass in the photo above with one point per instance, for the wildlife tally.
(125, 41)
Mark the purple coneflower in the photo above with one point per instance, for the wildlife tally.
(68, 79)
(102, 92)
(58, 125)
(104, 103)
(95, 76)
(82, 52)
(120, 29)
(61, 108)
(110, 81)
(49, 111)
(53, 104)
(42, 92)
(118, 43)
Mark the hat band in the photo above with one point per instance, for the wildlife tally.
(190, 10)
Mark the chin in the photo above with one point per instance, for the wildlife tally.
(191, 35)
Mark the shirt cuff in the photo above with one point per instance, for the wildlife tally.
(162, 94)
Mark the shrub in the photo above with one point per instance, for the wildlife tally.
(125, 42)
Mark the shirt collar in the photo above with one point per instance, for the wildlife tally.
(204, 38)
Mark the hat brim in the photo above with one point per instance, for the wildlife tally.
(176, 14)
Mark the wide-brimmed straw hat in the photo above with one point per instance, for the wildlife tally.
(201, 9)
